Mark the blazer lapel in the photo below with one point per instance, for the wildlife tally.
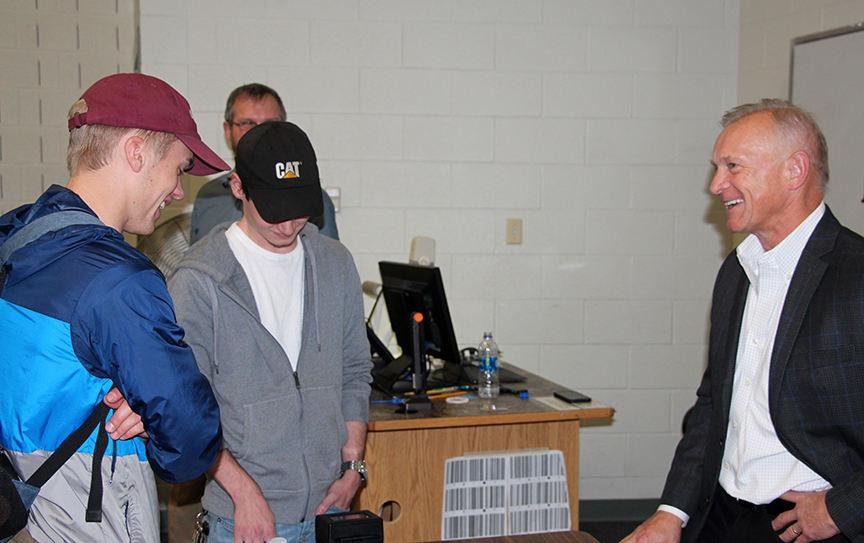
(733, 309)
(808, 275)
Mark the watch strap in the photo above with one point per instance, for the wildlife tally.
(357, 465)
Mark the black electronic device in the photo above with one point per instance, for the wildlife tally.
(413, 288)
(350, 526)
(419, 401)
(571, 396)
(377, 346)
(410, 288)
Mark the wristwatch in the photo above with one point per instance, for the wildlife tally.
(357, 465)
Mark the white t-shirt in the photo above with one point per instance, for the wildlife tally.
(278, 285)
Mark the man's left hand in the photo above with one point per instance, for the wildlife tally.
(341, 492)
(124, 423)
(808, 521)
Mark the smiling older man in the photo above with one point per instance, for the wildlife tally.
(774, 449)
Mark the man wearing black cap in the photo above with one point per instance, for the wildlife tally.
(81, 312)
(274, 313)
(247, 106)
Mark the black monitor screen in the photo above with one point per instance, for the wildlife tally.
(410, 288)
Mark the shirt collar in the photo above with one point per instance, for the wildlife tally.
(785, 255)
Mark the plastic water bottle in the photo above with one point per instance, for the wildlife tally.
(487, 352)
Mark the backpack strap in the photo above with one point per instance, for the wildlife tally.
(41, 226)
(38, 228)
(65, 451)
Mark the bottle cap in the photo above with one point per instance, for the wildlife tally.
(278, 540)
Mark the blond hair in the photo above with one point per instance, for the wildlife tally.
(91, 145)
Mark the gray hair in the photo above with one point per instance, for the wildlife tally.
(792, 124)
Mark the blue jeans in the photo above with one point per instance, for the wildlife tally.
(222, 529)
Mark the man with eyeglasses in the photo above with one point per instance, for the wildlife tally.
(247, 107)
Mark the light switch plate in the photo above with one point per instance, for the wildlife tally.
(514, 231)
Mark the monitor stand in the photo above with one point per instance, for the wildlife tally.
(418, 402)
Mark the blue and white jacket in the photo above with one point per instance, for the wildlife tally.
(82, 311)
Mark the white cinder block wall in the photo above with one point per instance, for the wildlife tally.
(591, 120)
(50, 51)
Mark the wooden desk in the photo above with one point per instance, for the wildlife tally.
(553, 537)
(406, 453)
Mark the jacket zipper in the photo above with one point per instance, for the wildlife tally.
(297, 380)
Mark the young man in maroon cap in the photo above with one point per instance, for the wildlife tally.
(81, 311)
(274, 313)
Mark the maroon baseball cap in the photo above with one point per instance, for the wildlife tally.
(143, 101)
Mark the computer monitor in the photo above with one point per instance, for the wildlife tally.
(410, 288)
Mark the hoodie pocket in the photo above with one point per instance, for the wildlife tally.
(325, 433)
(271, 451)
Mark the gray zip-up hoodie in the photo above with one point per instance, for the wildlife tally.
(285, 429)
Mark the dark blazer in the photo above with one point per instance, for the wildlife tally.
(816, 384)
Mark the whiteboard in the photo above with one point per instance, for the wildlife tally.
(827, 79)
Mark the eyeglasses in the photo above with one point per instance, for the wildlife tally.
(245, 125)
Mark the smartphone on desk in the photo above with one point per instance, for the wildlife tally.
(571, 396)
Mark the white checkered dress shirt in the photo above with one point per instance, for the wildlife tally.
(756, 466)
